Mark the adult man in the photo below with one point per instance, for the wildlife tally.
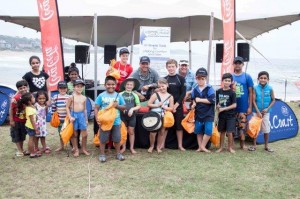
(243, 87)
(147, 77)
(189, 76)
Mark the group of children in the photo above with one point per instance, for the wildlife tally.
(28, 113)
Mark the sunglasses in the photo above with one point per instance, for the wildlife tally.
(32, 63)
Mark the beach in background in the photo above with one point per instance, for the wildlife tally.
(284, 73)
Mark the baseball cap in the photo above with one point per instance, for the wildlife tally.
(183, 62)
(145, 59)
(123, 51)
(238, 59)
(62, 84)
(201, 72)
(78, 81)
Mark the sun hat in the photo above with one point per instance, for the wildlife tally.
(136, 84)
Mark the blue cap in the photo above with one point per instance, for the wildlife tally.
(144, 59)
(201, 72)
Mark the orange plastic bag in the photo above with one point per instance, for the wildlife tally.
(112, 71)
(254, 126)
(66, 131)
(55, 122)
(215, 137)
(96, 140)
(168, 119)
(123, 133)
(188, 123)
(107, 117)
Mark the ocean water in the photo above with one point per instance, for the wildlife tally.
(284, 73)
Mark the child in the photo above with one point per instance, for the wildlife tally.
(177, 88)
(17, 119)
(27, 101)
(226, 104)
(123, 67)
(76, 111)
(132, 105)
(263, 100)
(160, 102)
(102, 101)
(59, 103)
(203, 97)
(41, 107)
(73, 75)
(37, 80)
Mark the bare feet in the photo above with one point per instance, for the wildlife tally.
(85, 152)
(150, 150)
(76, 153)
(181, 148)
(59, 149)
(205, 150)
(219, 150)
(159, 150)
(133, 151)
(244, 148)
(198, 150)
(231, 150)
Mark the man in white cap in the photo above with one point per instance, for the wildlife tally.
(189, 76)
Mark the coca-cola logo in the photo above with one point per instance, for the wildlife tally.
(228, 55)
(46, 12)
(52, 60)
(228, 12)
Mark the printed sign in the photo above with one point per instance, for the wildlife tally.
(4, 107)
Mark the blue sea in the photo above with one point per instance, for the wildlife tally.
(284, 73)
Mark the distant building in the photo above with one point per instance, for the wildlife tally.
(5, 45)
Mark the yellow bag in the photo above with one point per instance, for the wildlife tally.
(215, 137)
(112, 71)
(55, 122)
(188, 123)
(96, 140)
(254, 126)
(168, 119)
(66, 131)
(123, 133)
(107, 117)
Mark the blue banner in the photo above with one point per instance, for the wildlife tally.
(4, 107)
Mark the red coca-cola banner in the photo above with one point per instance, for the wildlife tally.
(51, 41)
(228, 16)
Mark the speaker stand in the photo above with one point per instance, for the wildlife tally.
(82, 71)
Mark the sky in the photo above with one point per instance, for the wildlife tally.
(279, 43)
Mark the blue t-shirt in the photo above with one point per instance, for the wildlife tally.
(104, 99)
(242, 82)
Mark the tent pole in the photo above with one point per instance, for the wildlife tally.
(190, 44)
(132, 42)
(95, 56)
(211, 32)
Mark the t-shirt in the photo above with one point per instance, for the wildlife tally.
(241, 84)
(30, 111)
(177, 88)
(59, 104)
(150, 78)
(18, 116)
(204, 112)
(131, 99)
(104, 99)
(226, 98)
(36, 82)
(125, 71)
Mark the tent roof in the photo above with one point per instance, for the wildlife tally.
(113, 30)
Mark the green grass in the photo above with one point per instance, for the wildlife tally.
(172, 174)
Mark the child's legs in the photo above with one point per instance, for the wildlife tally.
(43, 141)
(163, 141)
(160, 138)
(84, 135)
(207, 134)
(103, 137)
(230, 140)
(178, 116)
(36, 143)
(222, 140)
(222, 130)
(18, 135)
(116, 137)
(74, 140)
(266, 128)
(31, 144)
(130, 131)
(230, 128)
(199, 139)
(152, 137)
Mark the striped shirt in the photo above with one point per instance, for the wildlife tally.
(59, 104)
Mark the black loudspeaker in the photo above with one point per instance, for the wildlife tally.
(244, 51)
(109, 53)
(82, 54)
(219, 53)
